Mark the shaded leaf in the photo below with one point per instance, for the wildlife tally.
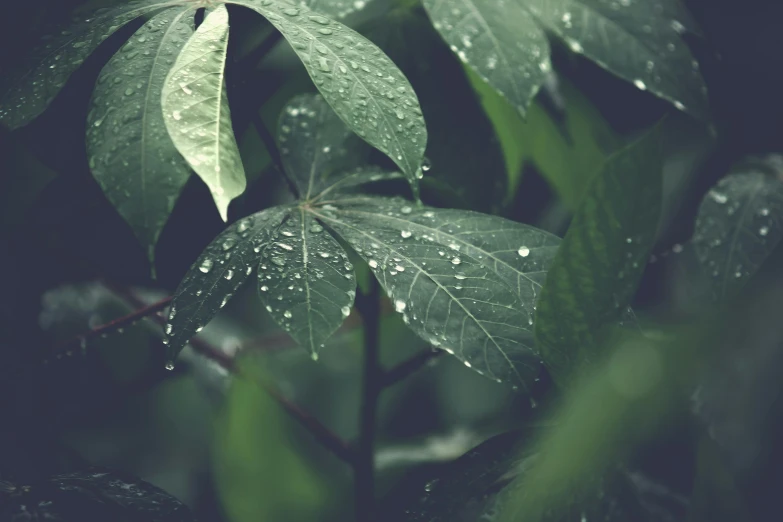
(315, 144)
(218, 272)
(639, 41)
(306, 281)
(32, 89)
(92, 494)
(131, 154)
(602, 257)
(565, 153)
(357, 79)
(461, 140)
(739, 225)
(464, 281)
(196, 111)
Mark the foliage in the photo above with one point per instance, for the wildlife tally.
(401, 130)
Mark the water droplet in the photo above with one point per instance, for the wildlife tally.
(228, 275)
(456, 261)
(264, 288)
(523, 251)
(406, 210)
(176, 115)
(640, 85)
(169, 366)
(346, 311)
(763, 231)
(405, 234)
(399, 306)
(206, 266)
(287, 314)
(373, 263)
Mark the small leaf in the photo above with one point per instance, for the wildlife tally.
(196, 111)
(357, 79)
(131, 154)
(33, 89)
(463, 281)
(639, 41)
(739, 225)
(92, 494)
(217, 274)
(306, 281)
(315, 144)
(602, 257)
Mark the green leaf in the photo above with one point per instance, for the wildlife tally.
(218, 272)
(259, 474)
(564, 153)
(131, 155)
(602, 257)
(32, 89)
(196, 111)
(464, 281)
(306, 281)
(639, 41)
(357, 79)
(315, 144)
(739, 225)
(461, 139)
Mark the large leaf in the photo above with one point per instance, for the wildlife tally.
(196, 112)
(461, 140)
(315, 144)
(602, 257)
(32, 89)
(504, 41)
(357, 79)
(464, 281)
(218, 272)
(306, 281)
(739, 225)
(91, 494)
(131, 154)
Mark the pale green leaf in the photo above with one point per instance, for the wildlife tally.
(315, 144)
(196, 111)
(357, 79)
(504, 41)
(601, 259)
(739, 225)
(465, 282)
(131, 155)
(217, 274)
(306, 281)
(32, 89)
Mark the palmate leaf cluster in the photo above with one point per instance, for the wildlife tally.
(160, 109)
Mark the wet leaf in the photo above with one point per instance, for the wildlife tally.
(92, 494)
(315, 144)
(504, 41)
(30, 90)
(464, 281)
(461, 139)
(131, 154)
(602, 257)
(306, 281)
(739, 225)
(357, 79)
(196, 111)
(217, 274)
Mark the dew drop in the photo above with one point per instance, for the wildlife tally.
(406, 234)
(456, 261)
(169, 366)
(523, 251)
(399, 306)
(206, 266)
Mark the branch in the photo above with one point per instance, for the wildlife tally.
(322, 434)
(408, 367)
(116, 324)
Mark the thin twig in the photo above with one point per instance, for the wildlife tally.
(274, 152)
(322, 434)
(408, 367)
(116, 324)
(364, 465)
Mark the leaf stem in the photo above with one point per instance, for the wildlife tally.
(368, 306)
(274, 152)
(408, 367)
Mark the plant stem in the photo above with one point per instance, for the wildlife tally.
(408, 367)
(274, 152)
(364, 466)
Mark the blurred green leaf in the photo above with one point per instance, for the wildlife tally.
(565, 153)
(601, 259)
(260, 475)
(740, 223)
